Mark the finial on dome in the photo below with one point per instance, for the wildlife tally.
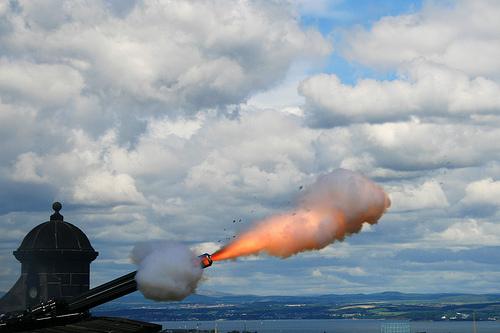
(56, 206)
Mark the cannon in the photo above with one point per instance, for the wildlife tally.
(61, 312)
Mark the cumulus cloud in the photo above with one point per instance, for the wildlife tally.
(469, 232)
(39, 84)
(132, 228)
(26, 169)
(161, 57)
(255, 155)
(444, 68)
(483, 192)
(413, 145)
(266, 154)
(425, 196)
(106, 188)
(466, 41)
(181, 120)
(424, 89)
(353, 271)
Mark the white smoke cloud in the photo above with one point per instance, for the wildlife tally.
(167, 271)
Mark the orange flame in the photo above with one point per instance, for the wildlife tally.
(331, 215)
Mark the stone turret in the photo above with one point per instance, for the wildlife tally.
(55, 261)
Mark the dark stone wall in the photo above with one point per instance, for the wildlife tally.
(54, 278)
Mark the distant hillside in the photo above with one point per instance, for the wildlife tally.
(392, 297)
(386, 305)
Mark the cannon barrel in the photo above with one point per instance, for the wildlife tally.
(61, 312)
(106, 292)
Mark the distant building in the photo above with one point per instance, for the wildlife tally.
(395, 327)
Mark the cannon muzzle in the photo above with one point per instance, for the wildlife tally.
(205, 260)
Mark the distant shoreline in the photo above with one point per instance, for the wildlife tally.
(327, 325)
(381, 306)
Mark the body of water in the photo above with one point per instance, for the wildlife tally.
(333, 326)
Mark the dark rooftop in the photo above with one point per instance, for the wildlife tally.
(55, 235)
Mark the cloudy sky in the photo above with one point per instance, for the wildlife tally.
(170, 119)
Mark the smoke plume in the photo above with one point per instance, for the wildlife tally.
(335, 206)
(167, 271)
